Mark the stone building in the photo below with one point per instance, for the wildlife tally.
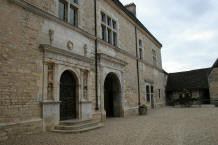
(202, 83)
(213, 83)
(74, 59)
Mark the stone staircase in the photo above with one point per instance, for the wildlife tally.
(76, 126)
(3, 136)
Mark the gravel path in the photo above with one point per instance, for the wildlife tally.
(166, 126)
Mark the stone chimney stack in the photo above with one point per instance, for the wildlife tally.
(132, 8)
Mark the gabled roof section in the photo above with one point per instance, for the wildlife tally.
(215, 64)
(194, 79)
(124, 9)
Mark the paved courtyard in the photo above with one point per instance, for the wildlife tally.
(166, 126)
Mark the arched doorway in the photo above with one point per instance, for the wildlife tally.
(112, 96)
(68, 97)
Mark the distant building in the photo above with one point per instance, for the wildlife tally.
(202, 83)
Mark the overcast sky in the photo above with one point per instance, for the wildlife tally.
(188, 30)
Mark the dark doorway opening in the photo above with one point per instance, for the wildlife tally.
(112, 96)
(68, 96)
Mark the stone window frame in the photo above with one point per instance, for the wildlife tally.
(154, 57)
(149, 92)
(70, 4)
(110, 24)
(141, 50)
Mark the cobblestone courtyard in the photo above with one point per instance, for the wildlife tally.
(167, 126)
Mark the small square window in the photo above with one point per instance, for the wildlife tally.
(108, 21)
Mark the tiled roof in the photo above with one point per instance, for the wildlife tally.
(195, 79)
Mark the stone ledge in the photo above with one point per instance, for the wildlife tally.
(51, 102)
(19, 123)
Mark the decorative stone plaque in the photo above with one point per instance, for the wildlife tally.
(70, 45)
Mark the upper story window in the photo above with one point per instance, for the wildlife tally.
(108, 29)
(72, 10)
(140, 53)
(140, 43)
(62, 10)
(154, 55)
(74, 1)
(140, 50)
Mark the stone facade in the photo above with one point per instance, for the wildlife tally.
(37, 47)
(213, 84)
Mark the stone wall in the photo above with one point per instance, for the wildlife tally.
(27, 51)
(20, 70)
(213, 84)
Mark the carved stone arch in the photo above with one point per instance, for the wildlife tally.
(112, 95)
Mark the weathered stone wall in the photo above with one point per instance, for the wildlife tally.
(213, 83)
(127, 42)
(22, 85)
(20, 67)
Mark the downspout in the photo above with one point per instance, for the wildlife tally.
(96, 58)
(137, 67)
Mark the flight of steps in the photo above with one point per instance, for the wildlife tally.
(3, 136)
(76, 126)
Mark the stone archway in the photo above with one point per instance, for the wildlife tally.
(112, 96)
(68, 96)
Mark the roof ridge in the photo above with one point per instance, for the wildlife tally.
(191, 70)
(136, 20)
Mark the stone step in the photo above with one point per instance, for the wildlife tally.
(99, 125)
(208, 106)
(75, 126)
(3, 136)
(74, 122)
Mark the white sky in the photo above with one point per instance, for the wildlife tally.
(188, 30)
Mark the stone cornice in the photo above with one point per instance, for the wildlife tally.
(111, 59)
(53, 49)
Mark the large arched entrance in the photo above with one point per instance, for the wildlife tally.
(68, 93)
(112, 96)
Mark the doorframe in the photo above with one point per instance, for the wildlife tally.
(75, 73)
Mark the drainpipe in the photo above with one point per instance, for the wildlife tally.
(96, 57)
(137, 67)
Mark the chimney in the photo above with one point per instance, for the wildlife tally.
(131, 8)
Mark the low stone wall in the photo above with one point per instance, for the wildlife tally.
(131, 111)
(20, 129)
